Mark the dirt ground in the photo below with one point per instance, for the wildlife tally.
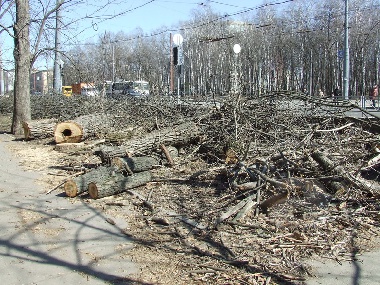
(270, 250)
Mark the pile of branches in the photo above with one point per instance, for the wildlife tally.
(271, 181)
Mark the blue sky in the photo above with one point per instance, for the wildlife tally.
(149, 15)
(152, 15)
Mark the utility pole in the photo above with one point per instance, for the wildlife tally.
(346, 67)
(171, 65)
(57, 77)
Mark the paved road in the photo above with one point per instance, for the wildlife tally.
(365, 270)
(47, 239)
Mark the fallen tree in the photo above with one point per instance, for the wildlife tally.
(179, 135)
(39, 129)
(112, 183)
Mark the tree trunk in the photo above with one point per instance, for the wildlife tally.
(179, 135)
(21, 108)
(39, 129)
(114, 183)
(83, 127)
(75, 186)
(135, 164)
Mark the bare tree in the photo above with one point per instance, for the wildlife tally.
(22, 55)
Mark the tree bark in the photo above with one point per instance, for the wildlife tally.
(22, 56)
(135, 164)
(114, 183)
(179, 135)
(39, 129)
(328, 165)
(75, 186)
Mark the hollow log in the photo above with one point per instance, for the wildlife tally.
(135, 164)
(83, 127)
(115, 183)
(68, 132)
(39, 129)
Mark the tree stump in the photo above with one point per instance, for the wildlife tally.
(115, 183)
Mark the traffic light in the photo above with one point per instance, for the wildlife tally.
(175, 55)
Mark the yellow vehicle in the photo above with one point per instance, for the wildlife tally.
(67, 90)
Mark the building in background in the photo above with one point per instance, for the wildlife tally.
(41, 81)
(7, 81)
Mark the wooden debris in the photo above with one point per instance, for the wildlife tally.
(135, 164)
(167, 154)
(108, 183)
(68, 132)
(39, 129)
(79, 184)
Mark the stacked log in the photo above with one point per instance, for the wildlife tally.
(135, 164)
(179, 135)
(78, 185)
(107, 181)
(39, 129)
(83, 127)
(114, 183)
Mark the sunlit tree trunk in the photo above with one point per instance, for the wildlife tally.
(22, 56)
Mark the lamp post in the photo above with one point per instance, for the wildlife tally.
(237, 50)
(177, 40)
(346, 67)
(57, 69)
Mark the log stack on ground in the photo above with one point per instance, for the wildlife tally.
(105, 181)
(179, 135)
(131, 165)
(39, 129)
(83, 127)
(114, 183)
(78, 185)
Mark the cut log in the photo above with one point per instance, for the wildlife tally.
(39, 129)
(68, 132)
(348, 178)
(328, 165)
(176, 136)
(75, 186)
(81, 128)
(135, 164)
(114, 183)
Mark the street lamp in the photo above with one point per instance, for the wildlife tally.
(237, 50)
(177, 40)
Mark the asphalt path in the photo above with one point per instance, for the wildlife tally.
(362, 269)
(49, 239)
